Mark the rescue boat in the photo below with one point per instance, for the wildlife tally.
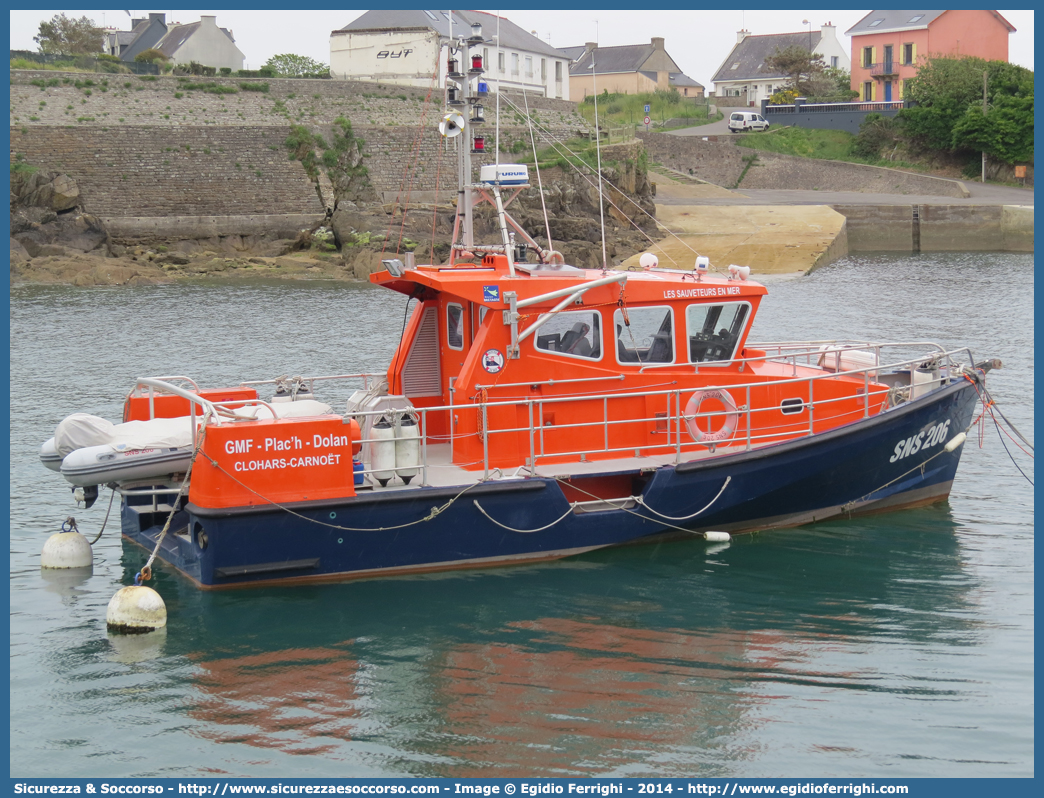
(534, 410)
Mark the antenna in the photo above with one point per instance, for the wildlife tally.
(598, 148)
(496, 137)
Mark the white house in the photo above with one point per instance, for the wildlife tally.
(741, 75)
(203, 42)
(410, 48)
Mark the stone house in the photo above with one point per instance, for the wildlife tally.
(203, 42)
(410, 48)
(741, 79)
(888, 46)
(627, 69)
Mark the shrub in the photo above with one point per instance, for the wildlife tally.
(150, 56)
(262, 87)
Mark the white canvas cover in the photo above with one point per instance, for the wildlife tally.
(298, 409)
(82, 429)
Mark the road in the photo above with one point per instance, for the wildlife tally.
(980, 195)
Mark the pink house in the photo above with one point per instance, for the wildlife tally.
(888, 46)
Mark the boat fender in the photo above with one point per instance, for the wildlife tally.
(407, 449)
(382, 451)
(956, 441)
(692, 409)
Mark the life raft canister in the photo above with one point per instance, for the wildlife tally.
(692, 410)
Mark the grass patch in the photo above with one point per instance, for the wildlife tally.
(829, 145)
(261, 87)
(629, 109)
(210, 88)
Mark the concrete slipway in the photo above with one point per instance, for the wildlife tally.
(785, 231)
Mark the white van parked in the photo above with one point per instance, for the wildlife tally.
(747, 120)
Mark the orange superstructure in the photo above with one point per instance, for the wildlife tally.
(613, 366)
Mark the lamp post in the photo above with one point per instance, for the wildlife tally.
(809, 23)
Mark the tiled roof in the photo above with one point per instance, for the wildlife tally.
(573, 53)
(887, 21)
(878, 21)
(177, 35)
(511, 35)
(747, 57)
(606, 60)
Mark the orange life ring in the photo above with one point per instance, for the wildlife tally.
(692, 409)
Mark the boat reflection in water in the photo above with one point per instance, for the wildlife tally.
(642, 660)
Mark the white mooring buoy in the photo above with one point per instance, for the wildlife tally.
(135, 610)
(66, 550)
(717, 537)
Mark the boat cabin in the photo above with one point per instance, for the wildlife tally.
(566, 355)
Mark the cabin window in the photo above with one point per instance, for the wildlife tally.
(455, 326)
(575, 333)
(714, 330)
(648, 338)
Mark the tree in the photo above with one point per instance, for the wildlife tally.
(948, 113)
(800, 66)
(834, 85)
(64, 36)
(150, 56)
(289, 65)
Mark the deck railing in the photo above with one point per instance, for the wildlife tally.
(599, 428)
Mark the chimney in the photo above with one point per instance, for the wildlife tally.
(208, 22)
(589, 46)
(161, 18)
(136, 22)
(657, 43)
(741, 35)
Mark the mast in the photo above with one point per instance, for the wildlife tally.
(465, 99)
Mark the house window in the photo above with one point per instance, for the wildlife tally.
(500, 61)
(514, 63)
(529, 66)
(868, 91)
(558, 71)
(543, 70)
(833, 61)
(918, 18)
(908, 53)
(868, 56)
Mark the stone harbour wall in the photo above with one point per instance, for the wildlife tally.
(191, 171)
(149, 147)
(112, 100)
(721, 162)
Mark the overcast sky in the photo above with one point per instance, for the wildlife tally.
(697, 40)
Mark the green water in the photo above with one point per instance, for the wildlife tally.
(898, 646)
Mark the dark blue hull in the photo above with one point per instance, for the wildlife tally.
(895, 459)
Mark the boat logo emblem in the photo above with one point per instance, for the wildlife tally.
(491, 293)
(492, 360)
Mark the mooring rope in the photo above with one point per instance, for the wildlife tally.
(146, 570)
